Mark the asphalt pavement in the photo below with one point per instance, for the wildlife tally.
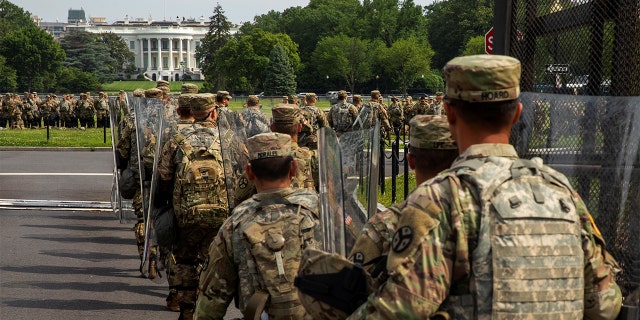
(69, 263)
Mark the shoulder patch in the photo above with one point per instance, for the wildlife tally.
(358, 258)
(402, 239)
(243, 182)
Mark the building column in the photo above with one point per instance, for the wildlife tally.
(180, 55)
(171, 54)
(159, 55)
(189, 54)
(141, 55)
(148, 55)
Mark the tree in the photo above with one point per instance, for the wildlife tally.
(218, 35)
(76, 80)
(243, 62)
(88, 52)
(34, 55)
(452, 23)
(344, 57)
(475, 45)
(406, 59)
(8, 78)
(280, 76)
(124, 59)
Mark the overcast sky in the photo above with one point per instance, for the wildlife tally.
(237, 11)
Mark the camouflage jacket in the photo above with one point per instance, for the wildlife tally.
(256, 121)
(437, 261)
(335, 117)
(314, 119)
(231, 269)
(306, 175)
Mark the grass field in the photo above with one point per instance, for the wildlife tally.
(91, 138)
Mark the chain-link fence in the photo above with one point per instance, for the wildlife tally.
(581, 84)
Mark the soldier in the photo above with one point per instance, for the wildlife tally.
(432, 150)
(27, 110)
(342, 115)
(65, 112)
(287, 119)
(314, 120)
(372, 111)
(357, 102)
(396, 115)
(256, 121)
(438, 106)
(85, 111)
(256, 254)
(36, 104)
(73, 105)
(101, 106)
(188, 166)
(222, 100)
(292, 99)
(285, 99)
(494, 235)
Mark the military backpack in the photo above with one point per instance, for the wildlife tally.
(200, 193)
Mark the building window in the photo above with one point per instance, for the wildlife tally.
(197, 44)
(132, 45)
(165, 62)
(165, 44)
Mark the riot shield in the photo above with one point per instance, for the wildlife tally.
(348, 184)
(364, 119)
(233, 141)
(149, 116)
(117, 203)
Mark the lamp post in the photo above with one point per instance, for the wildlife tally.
(182, 67)
(377, 77)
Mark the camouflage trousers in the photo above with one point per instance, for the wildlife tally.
(190, 252)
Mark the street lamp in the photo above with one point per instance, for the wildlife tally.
(377, 77)
(328, 87)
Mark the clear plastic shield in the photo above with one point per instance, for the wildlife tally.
(150, 120)
(117, 203)
(233, 141)
(331, 195)
(348, 184)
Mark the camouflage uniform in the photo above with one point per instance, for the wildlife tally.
(256, 121)
(342, 115)
(396, 114)
(241, 256)
(307, 173)
(190, 249)
(85, 111)
(374, 110)
(101, 106)
(314, 120)
(438, 259)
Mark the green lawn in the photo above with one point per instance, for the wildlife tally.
(92, 138)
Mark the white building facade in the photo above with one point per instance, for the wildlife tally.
(163, 49)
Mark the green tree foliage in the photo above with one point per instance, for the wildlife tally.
(75, 80)
(452, 23)
(405, 60)
(344, 57)
(280, 76)
(8, 77)
(243, 61)
(34, 55)
(218, 35)
(88, 52)
(475, 45)
(124, 59)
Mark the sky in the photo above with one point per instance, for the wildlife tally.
(237, 11)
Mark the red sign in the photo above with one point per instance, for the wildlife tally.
(488, 41)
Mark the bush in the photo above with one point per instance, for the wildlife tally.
(140, 77)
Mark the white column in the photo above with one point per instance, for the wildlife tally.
(180, 56)
(159, 40)
(171, 54)
(148, 55)
(141, 55)
(189, 54)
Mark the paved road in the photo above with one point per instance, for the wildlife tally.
(69, 264)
